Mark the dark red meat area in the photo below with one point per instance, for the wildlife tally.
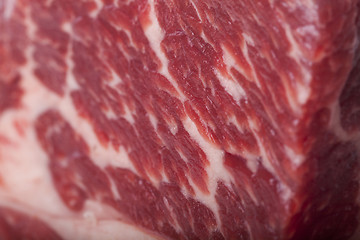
(78, 179)
(15, 225)
(10, 94)
(99, 45)
(12, 42)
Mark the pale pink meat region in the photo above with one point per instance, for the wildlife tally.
(179, 119)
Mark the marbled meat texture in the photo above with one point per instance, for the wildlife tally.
(179, 119)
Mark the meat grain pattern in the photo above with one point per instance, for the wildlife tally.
(179, 119)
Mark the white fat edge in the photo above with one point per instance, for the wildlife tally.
(230, 62)
(293, 102)
(197, 11)
(30, 24)
(252, 164)
(106, 229)
(110, 114)
(176, 224)
(99, 5)
(232, 87)
(257, 20)
(215, 171)
(312, 16)
(128, 115)
(25, 170)
(310, 5)
(8, 6)
(248, 39)
(336, 127)
(214, 154)
(302, 93)
(153, 120)
(25, 163)
(263, 153)
(171, 123)
(232, 119)
(335, 121)
(344, 136)
(96, 221)
(155, 35)
(203, 36)
(297, 55)
(94, 212)
(182, 156)
(295, 158)
(27, 153)
(253, 77)
(304, 90)
(118, 28)
(102, 156)
(114, 189)
(172, 126)
(251, 161)
(115, 80)
(70, 78)
(33, 106)
(308, 30)
(335, 124)
(285, 191)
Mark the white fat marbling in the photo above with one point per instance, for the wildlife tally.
(24, 171)
(8, 7)
(99, 5)
(155, 35)
(231, 86)
(297, 54)
(231, 62)
(295, 158)
(216, 170)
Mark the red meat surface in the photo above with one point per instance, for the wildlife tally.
(179, 119)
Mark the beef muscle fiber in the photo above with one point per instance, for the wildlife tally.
(179, 119)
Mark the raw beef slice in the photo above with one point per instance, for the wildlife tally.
(179, 119)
